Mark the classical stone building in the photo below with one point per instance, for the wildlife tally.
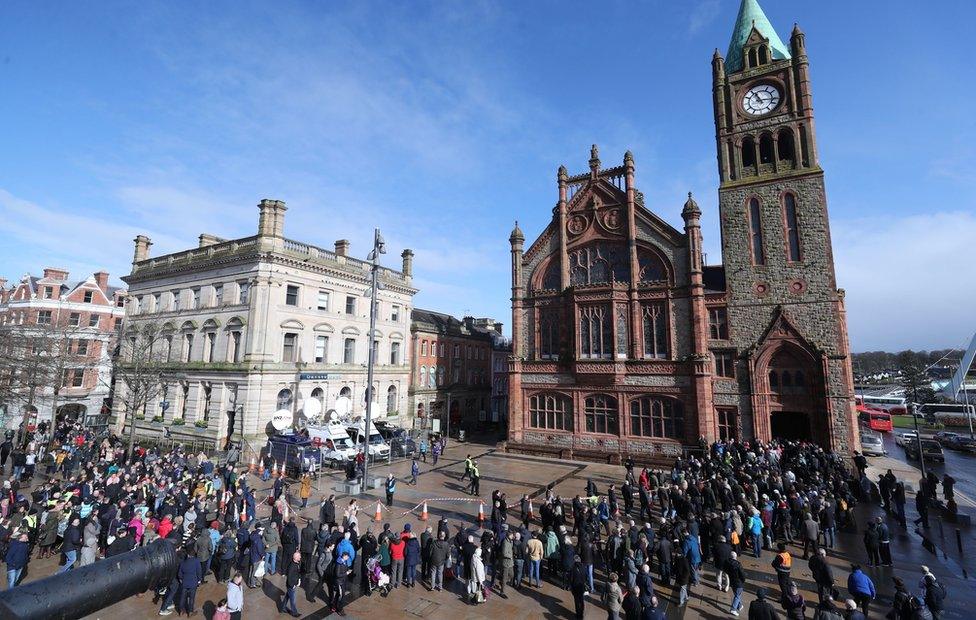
(77, 321)
(625, 342)
(263, 323)
(451, 364)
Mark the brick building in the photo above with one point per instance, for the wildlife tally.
(625, 342)
(451, 371)
(77, 321)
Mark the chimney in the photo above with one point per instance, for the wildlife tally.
(342, 247)
(53, 273)
(142, 249)
(208, 240)
(407, 263)
(498, 328)
(271, 222)
(101, 278)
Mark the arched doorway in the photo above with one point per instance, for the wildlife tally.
(71, 413)
(789, 402)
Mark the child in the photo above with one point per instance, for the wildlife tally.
(222, 613)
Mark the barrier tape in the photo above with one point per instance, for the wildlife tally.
(442, 499)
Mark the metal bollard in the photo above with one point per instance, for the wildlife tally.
(959, 540)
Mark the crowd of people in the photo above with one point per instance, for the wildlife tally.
(679, 528)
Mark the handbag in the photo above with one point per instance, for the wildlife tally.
(259, 570)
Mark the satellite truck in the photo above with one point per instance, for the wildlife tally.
(292, 448)
(330, 435)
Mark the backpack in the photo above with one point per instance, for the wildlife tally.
(935, 596)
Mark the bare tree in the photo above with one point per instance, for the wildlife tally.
(140, 372)
(38, 360)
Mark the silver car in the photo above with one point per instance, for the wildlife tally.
(872, 445)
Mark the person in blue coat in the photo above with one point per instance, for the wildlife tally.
(18, 554)
(692, 551)
(345, 546)
(190, 575)
(861, 588)
(411, 557)
(255, 554)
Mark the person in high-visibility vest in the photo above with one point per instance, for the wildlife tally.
(467, 468)
(782, 563)
(475, 479)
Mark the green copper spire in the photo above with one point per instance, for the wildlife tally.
(751, 14)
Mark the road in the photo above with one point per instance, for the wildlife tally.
(960, 465)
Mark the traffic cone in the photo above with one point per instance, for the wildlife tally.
(261, 467)
(253, 465)
(274, 469)
(531, 511)
(423, 513)
(379, 513)
(481, 514)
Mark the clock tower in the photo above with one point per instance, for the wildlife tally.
(786, 316)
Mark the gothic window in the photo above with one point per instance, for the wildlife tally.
(651, 268)
(753, 58)
(207, 401)
(600, 413)
(622, 331)
(549, 334)
(598, 264)
(792, 228)
(551, 279)
(423, 376)
(595, 331)
(391, 399)
(784, 144)
(763, 54)
(657, 417)
(749, 154)
(718, 323)
(766, 148)
(804, 147)
(774, 380)
(433, 377)
(655, 328)
(552, 411)
(755, 233)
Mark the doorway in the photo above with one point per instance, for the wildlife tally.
(790, 426)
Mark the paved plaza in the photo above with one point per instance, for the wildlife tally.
(518, 474)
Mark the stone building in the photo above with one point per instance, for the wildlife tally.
(625, 342)
(79, 320)
(263, 323)
(451, 371)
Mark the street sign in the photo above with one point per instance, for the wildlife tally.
(317, 376)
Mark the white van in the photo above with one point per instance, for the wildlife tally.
(378, 448)
(336, 444)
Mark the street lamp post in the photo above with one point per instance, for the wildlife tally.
(918, 438)
(379, 247)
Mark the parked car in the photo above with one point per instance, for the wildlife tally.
(930, 449)
(962, 443)
(872, 445)
(945, 437)
(902, 438)
(401, 444)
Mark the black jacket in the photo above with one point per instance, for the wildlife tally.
(309, 537)
(762, 610)
(294, 575)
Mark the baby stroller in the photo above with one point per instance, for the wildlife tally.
(378, 580)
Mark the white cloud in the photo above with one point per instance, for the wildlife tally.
(908, 279)
(702, 15)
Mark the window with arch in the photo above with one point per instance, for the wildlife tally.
(755, 233)
(284, 399)
(551, 278)
(655, 330)
(600, 414)
(651, 268)
(423, 376)
(551, 411)
(763, 54)
(766, 151)
(319, 395)
(423, 348)
(549, 334)
(391, 399)
(652, 416)
(749, 154)
(440, 375)
(346, 392)
(596, 331)
(791, 227)
(599, 263)
(785, 145)
(753, 58)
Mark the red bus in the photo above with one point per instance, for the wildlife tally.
(874, 419)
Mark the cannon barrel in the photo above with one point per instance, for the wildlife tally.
(85, 590)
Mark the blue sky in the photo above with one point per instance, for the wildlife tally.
(442, 123)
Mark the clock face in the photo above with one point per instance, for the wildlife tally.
(760, 100)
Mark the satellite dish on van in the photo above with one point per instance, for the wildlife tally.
(312, 407)
(343, 405)
(281, 419)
